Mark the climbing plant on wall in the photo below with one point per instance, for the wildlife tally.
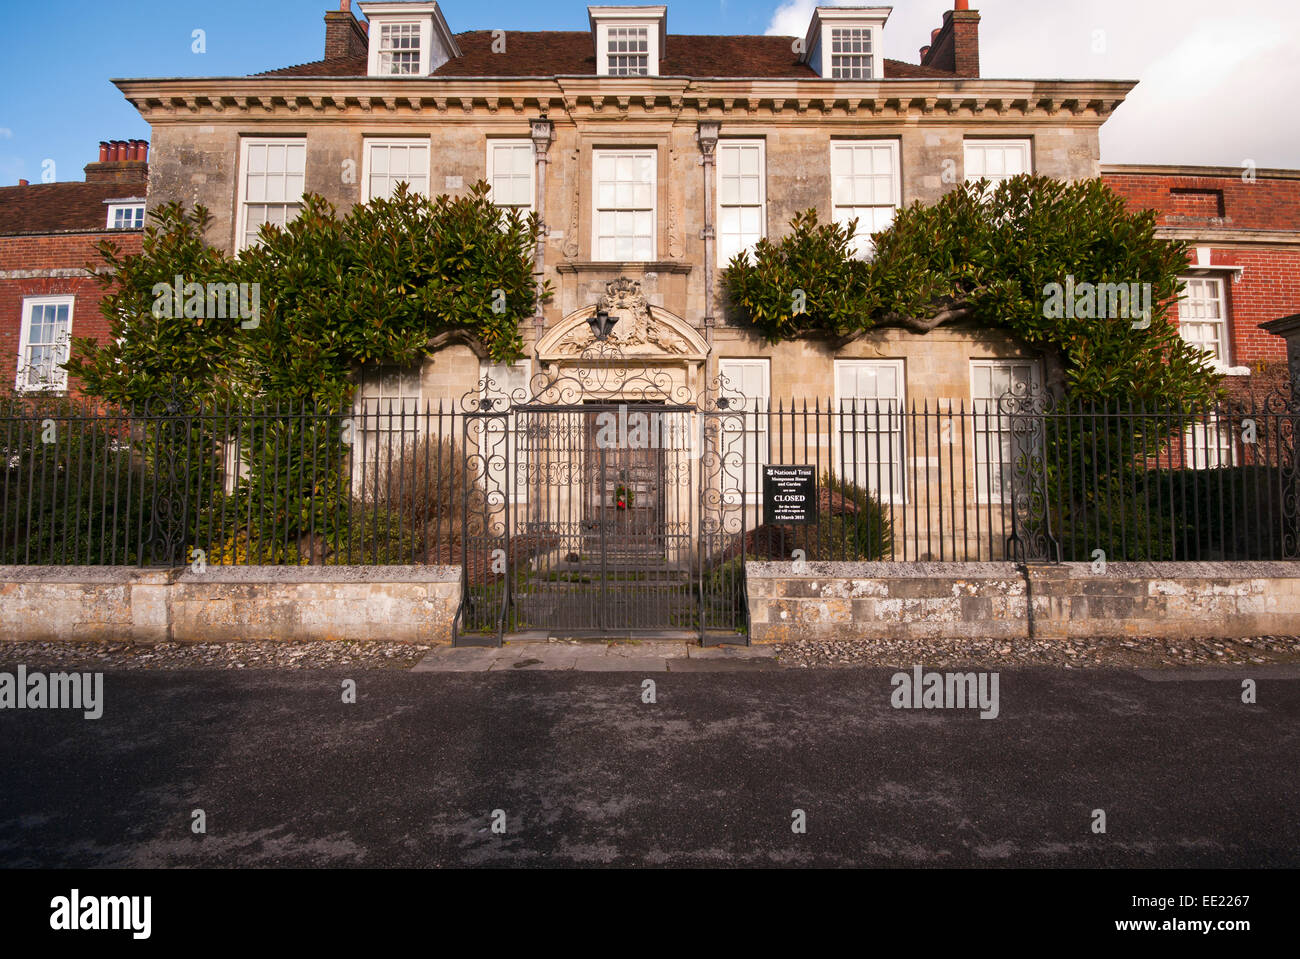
(1066, 267)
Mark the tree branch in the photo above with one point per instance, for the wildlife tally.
(463, 337)
(952, 313)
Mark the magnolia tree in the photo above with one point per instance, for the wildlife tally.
(284, 325)
(1065, 267)
(289, 318)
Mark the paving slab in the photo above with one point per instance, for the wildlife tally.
(465, 659)
(721, 664)
(626, 664)
(734, 653)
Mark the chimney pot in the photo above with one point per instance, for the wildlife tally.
(962, 5)
(144, 151)
(925, 52)
(345, 6)
(934, 34)
(23, 183)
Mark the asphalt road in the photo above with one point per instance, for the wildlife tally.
(588, 774)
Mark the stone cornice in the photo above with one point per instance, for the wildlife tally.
(1215, 237)
(1080, 101)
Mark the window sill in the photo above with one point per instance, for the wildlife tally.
(616, 266)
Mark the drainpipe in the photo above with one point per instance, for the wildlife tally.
(543, 131)
(707, 135)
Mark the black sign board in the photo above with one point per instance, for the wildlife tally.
(789, 495)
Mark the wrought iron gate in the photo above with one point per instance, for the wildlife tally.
(594, 505)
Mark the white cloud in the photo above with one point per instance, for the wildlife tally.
(791, 18)
(6, 133)
(1215, 81)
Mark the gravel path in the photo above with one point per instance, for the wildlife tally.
(1131, 652)
(1124, 652)
(265, 655)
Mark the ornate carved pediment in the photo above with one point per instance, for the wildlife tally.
(639, 330)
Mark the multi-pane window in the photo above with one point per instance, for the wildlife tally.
(43, 343)
(851, 53)
(746, 386)
(865, 186)
(390, 162)
(742, 214)
(997, 160)
(399, 49)
(628, 51)
(997, 445)
(387, 422)
(271, 185)
(1209, 444)
(1202, 317)
(869, 399)
(126, 216)
(510, 169)
(625, 205)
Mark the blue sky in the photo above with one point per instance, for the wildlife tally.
(1217, 79)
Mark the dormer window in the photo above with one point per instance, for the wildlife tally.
(847, 43)
(407, 39)
(629, 51)
(851, 53)
(399, 49)
(629, 40)
(126, 215)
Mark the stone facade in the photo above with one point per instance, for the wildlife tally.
(830, 601)
(927, 111)
(112, 603)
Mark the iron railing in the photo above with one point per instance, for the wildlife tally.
(402, 482)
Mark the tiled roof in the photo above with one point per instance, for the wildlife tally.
(572, 53)
(59, 207)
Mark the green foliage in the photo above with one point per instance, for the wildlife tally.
(74, 500)
(815, 260)
(153, 351)
(372, 286)
(854, 526)
(378, 284)
(987, 256)
(327, 293)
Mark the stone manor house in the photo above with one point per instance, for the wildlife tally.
(651, 157)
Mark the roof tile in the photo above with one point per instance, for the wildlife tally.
(572, 53)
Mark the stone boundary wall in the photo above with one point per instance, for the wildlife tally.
(126, 604)
(831, 601)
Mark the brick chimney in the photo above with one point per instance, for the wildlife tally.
(955, 46)
(120, 161)
(344, 36)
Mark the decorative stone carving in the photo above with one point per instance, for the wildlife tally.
(570, 248)
(674, 234)
(636, 331)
